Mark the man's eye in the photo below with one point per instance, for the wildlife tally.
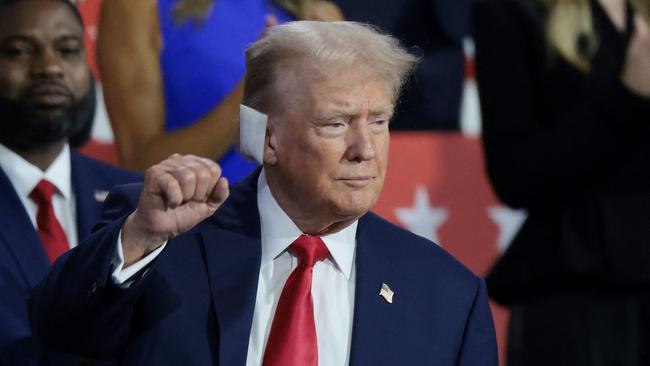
(70, 51)
(14, 52)
(380, 123)
(335, 124)
(332, 127)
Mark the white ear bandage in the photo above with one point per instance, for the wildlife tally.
(252, 132)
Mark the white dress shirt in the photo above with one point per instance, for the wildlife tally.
(24, 176)
(333, 282)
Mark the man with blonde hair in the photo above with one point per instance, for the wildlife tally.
(289, 267)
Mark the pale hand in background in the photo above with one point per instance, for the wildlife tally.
(325, 11)
(636, 70)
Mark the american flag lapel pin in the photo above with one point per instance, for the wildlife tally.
(386, 293)
(100, 196)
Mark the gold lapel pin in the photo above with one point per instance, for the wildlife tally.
(386, 293)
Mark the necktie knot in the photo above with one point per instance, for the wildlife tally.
(42, 193)
(309, 250)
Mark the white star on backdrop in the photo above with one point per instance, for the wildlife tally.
(422, 218)
(509, 221)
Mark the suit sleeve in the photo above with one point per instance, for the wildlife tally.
(77, 308)
(530, 160)
(479, 347)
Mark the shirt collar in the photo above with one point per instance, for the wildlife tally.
(279, 231)
(24, 176)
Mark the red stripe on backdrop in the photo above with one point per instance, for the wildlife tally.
(90, 12)
(100, 149)
(436, 187)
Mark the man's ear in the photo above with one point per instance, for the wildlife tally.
(270, 144)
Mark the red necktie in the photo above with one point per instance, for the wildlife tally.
(52, 235)
(292, 341)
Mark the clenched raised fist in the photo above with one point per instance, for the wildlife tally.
(178, 193)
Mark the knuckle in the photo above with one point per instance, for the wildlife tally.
(215, 168)
(153, 171)
(203, 174)
(186, 176)
(173, 192)
(169, 183)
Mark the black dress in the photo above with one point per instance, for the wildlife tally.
(573, 149)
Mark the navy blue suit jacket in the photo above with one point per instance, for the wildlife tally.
(194, 305)
(23, 262)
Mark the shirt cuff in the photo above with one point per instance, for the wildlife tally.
(122, 276)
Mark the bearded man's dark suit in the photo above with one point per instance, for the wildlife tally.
(23, 262)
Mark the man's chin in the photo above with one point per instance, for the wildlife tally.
(46, 126)
(48, 115)
(354, 208)
(35, 123)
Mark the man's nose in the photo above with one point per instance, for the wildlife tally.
(47, 64)
(360, 142)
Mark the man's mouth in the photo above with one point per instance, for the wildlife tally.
(49, 95)
(357, 181)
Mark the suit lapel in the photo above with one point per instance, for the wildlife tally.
(88, 205)
(233, 254)
(19, 234)
(232, 246)
(376, 328)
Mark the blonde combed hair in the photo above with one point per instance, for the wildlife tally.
(193, 10)
(570, 29)
(326, 46)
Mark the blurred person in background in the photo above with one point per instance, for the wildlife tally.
(50, 196)
(435, 29)
(172, 71)
(565, 95)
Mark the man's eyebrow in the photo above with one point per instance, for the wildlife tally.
(26, 38)
(335, 114)
(16, 38)
(351, 111)
(69, 37)
(383, 110)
